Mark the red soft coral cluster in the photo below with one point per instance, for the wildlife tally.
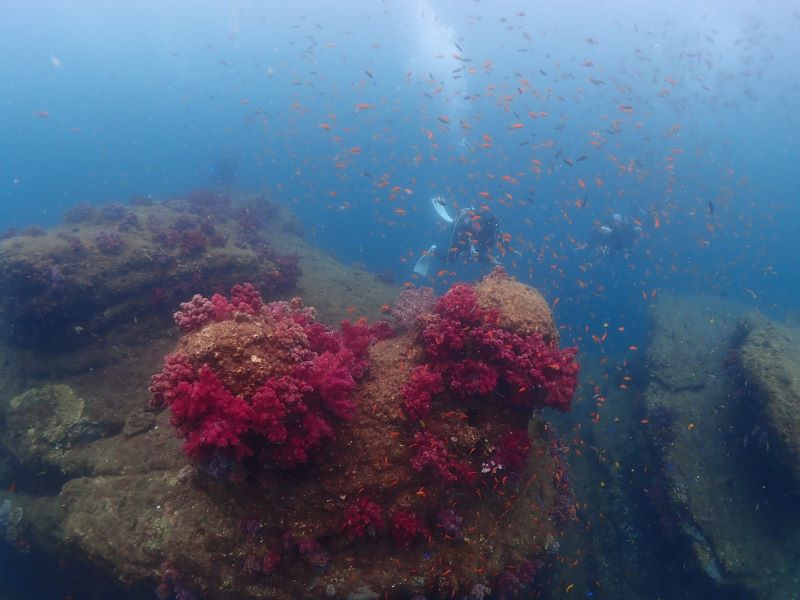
(290, 415)
(482, 365)
(362, 518)
(405, 527)
(207, 416)
(476, 359)
(418, 393)
(513, 450)
(164, 385)
(431, 453)
(245, 298)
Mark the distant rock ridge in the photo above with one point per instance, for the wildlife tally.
(718, 384)
(770, 360)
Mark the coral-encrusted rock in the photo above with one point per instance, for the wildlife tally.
(65, 287)
(42, 425)
(770, 359)
(523, 309)
(457, 536)
(466, 344)
(265, 388)
(244, 352)
(79, 280)
(262, 382)
(387, 506)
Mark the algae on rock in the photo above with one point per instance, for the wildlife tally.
(44, 423)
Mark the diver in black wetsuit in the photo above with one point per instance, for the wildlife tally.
(617, 237)
(475, 236)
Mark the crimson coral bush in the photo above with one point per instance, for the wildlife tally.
(470, 361)
(466, 352)
(292, 413)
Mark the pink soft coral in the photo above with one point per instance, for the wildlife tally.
(200, 311)
(476, 358)
(411, 303)
(363, 517)
(209, 417)
(290, 414)
(431, 453)
(245, 298)
(513, 451)
(277, 405)
(164, 384)
(330, 375)
(195, 313)
(418, 393)
(406, 527)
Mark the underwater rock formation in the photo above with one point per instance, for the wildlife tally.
(117, 263)
(523, 310)
(472, 498)
(717, 471)
(770, 360)
(68, 309)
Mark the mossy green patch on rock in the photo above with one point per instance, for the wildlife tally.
(43, 423)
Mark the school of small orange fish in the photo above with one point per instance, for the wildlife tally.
(553, 124)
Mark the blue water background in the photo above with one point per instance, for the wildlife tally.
(103, 101)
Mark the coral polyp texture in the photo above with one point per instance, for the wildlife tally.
(358, 463)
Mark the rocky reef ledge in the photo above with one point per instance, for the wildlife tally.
(721, 408)
(82, 294)
(277, 457)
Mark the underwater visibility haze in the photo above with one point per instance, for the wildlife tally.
(399, 299)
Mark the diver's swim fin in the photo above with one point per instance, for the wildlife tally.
(440, 206)
(425, 261)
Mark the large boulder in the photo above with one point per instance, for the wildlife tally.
(717, 471)
(522, 308)
(770, 359)
(215, 536)
(69, 284)
(381, 509)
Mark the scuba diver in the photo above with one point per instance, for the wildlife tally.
(225, 172)
(615, 238)
(475, 235)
